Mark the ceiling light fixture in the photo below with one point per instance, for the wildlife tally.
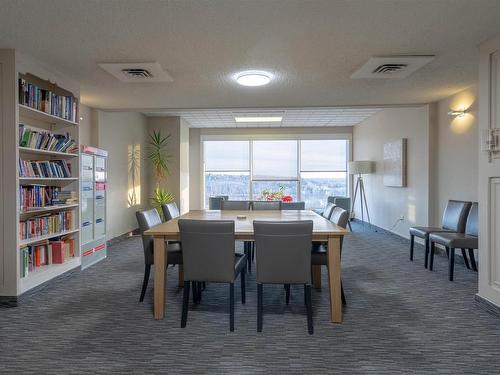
(460, 113)
(259, 119)
(253, 78)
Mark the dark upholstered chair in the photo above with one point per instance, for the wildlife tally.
(235, 205)
(342, 202)
(452, 241)
(283, 257)
(266, 205)
(208, 252)
(170, 211)
(327, 212)
(454, 217)
(146, 220)
(214, 203)
(293, 205)
(319, 255)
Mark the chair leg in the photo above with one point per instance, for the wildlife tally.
(426, 252)
(260, 307)
(253, 251)
(231, 307)
(310, 328)
(451, 264)
(243, 287)
(344, 301)
(466, 261)
(199, 291)
(249, 256)
(185, 304)
(349, 223)
(472, 260)
(432, 250)
(195, 292)
(412, 245)
(287, 293)
(147, 271)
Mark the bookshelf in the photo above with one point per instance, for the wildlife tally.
(40, 174)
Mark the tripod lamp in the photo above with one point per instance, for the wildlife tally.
(360, 168)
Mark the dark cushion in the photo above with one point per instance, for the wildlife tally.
(423, 232)
(455, 240)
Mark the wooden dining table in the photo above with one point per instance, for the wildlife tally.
(323, 231)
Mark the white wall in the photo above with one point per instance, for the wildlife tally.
(86, 126)
(116, 131)
(457, 151)
(195, 152)
(387, 204)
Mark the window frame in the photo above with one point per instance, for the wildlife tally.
(274, 137)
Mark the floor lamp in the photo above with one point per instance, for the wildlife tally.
(360, 168)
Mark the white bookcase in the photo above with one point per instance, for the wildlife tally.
(14, 66)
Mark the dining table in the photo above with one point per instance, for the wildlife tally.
(323, 231)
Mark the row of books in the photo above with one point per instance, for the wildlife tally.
(44, 168)
(44, 140)
(51, 252)
(46, 101)
(46, 224)
(37, 196)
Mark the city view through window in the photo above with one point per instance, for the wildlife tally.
(305, 170)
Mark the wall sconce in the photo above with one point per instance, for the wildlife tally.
(460, 113)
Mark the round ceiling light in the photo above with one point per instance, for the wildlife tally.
(253, 78)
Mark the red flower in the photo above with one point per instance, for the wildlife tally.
(287, 198)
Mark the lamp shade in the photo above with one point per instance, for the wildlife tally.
(361, 167)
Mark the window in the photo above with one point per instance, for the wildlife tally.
(307, 170)
(323, 170)
(227, 169)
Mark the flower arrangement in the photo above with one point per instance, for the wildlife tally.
(279, 195)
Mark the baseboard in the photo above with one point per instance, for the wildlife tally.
(8, 301)
(122, 237)
(487, 306)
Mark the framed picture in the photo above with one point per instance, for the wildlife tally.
(395, 163)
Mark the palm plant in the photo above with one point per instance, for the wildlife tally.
(159, 157)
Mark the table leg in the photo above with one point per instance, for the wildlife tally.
(160, 253)
(316, 276)
(334, 279)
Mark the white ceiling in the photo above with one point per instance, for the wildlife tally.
(312, 47)
(292, 117)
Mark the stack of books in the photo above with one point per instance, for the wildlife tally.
(44, 225)
(46, 101)
(65, 197)
(37, 196)
(44, 168)
(43, 254)
(43, 140)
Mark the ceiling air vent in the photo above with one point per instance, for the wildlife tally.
(391, 66)
(137, 72)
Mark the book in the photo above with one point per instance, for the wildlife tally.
(32, 197)
(44, 168)
(43, 225)
(44, 140)
(63, 106)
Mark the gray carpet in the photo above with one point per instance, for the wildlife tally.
(400, 318)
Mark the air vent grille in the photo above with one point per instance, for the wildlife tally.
(389, 68)
(137, 73)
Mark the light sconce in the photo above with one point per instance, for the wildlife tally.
(460, 113)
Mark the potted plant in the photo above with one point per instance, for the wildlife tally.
(159, 157)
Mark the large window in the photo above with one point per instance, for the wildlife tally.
(307, 170)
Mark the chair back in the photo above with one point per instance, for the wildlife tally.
(283, 251)
(293, 205)
(455, 215)
(170, 211)
(266, 205)
(340, 217)
(214, 203)
(147, 220)
(472, 227)
(235, 205)
(327, 212)
(343, 202)
(208, 250)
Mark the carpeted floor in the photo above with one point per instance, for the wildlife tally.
(400, 318)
